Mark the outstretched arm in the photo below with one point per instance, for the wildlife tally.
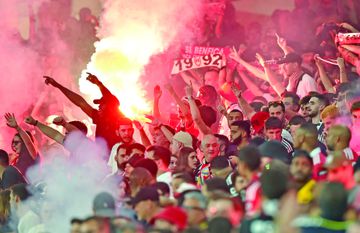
(243, 104)
(30, 146)
(177, 99)
(47, 130)
(72, 96)
(323, 76)
(195, 113)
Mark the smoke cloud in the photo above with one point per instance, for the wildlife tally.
(131, 33)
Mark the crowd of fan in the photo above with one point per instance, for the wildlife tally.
(266, 145)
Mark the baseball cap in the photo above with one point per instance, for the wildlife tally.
(258, 121)
(290, 58)
(146, 193)
(185, 138)
(173, 214)
(104, 205)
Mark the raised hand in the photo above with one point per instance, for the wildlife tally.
(157, 92)
(59, 121)
(221, 108)
(11, 120)
(280, 41)
(169, 87)
(237, 92)
(317, 60)
(234, 54)
(92, 78)
(260, 59)
(340, 62)
(30, 120)
(189, 90)
(50, 81)
(138, 125)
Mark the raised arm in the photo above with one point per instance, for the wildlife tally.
(177, 99)
(30, 146)
(144, 138)
(94, 80)
(283, 45)
(271, 77)
(250, 84)
(343, 74)
(243, 104)
(323, 75)
(72, 96)
(47, 130)
(252, 69)
(195, 113)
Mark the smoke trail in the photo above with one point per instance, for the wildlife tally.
(131, 32)
(71, 184)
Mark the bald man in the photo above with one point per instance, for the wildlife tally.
(210, 149)
(306, 138)
(338, 139)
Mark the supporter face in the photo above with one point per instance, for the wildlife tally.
(210, 147)
(128, 170)
(90, 227)
(173, 161)
(290, 68)
(193, 160)
(136, 152)
(331, 140)
(277, 112)
(75, 228)
(121, 156)
(159, 139)
(126, 133)
(293, 129)
(236, 132)
(194, 211)
(16, 144)
(289, 104)
(161, 224)
(142, 209)
(328, 122)
(240, 183)
(298, 139)
(315, 107)
(304, 111)
(234, 116)
(355, 115)
(175, 147)
(301, 169)
(273, 134)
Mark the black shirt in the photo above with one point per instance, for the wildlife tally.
(11, 177)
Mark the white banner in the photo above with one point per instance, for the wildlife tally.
(211, 60)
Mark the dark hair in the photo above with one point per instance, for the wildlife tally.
(256, 106)
(321, 98)
(305, 100)
(124, 121)
(355, 106)
(220, 162)
(188, 177)
(295, 98)
(161, 153)
(275, 104)
(80, 126)
(251, 156)
(222, 138)
(217, 183)
(21, 191)
(162, 186)
(76, 221)
(302, 153)
(208, 115)
(182, 161)
(136, 146)
(4, 158)
(219, 224)
(309, 128)
(273, 123)
(297, 120)
(333, 201)
(123, 146)
(273, 183)
(148, 164)
(243, 125)
(168, 127)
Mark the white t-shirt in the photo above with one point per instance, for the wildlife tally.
(306, 85)
(28, 221)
